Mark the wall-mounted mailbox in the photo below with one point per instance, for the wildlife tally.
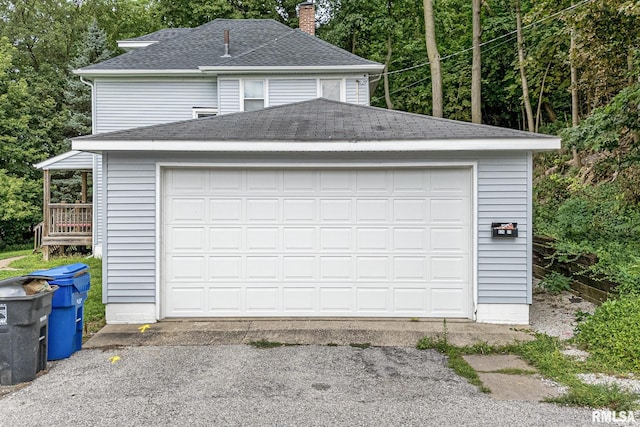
(504, 229)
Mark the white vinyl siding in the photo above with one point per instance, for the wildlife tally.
(130, 230)
(502, 184)
(78, 161)
(229, 96)
(286, 91)
(358, 91)
(125, 104)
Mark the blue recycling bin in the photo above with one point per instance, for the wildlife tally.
(67, 308)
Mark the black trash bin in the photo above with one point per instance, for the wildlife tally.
(24, 320)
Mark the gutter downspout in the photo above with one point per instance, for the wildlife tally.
(94, 183)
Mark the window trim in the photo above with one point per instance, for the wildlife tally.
(206, 111)
(343, 87)
(265, 91)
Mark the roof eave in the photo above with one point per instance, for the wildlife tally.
(134, 44)
(94, 144)
(137, 73)
(231, 69)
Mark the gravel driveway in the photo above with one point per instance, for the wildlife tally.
(242, 385)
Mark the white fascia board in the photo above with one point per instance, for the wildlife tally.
(46, 163)
(116, 73)
(533, 144)
(364, 68)
(133, 44)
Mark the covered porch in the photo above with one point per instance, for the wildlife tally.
(67, 205)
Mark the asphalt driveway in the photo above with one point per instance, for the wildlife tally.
(242, 385)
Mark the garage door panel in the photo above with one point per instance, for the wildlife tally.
(409, 239)
(336, 268)
(372, 239)
(225, 238)
(372, 300)
(336, 239)
(187, 300)
(334, 181)
(262, 299)
(262, 181)
(410, 211)
(261, 268)
(297, 181)
(410, 181)
(263, 239)
(373, 268)
(225, 268)
(187, 239)
(225, 299)
(448, 302)
(335, 210)
(299, 268)
(297, 239)
(329, 242)
(449, 268)
(299, 210)
(262, 210)
(410, 300)
(299, 299)
(335, 300)
(225, 181)
(181, 268)
(225, 210)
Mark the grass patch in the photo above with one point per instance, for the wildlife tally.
(12, 254)
(543, 353)
(454, 359)
(266, 344)
(361, 345)
(93, 307)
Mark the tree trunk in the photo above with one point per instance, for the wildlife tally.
(434, 59)
(387, 96)
(476, 71)
(575, 118)
(551, 114)
(538, 112)
(523, 76)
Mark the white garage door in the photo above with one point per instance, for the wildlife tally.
(325, 242)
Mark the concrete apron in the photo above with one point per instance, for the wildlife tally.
(376, 332)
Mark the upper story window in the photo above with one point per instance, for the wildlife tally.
(253, 95)
(331, 89)
(199, 112)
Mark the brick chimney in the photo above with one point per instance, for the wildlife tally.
(307, 17)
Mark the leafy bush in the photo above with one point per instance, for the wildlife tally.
(555, 282)
(19, 208)
(612, 334)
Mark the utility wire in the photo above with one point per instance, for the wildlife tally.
(488, 41)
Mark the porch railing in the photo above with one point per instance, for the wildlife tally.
(37, 236)
(70, 219)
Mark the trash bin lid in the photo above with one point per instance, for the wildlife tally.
(63, 272)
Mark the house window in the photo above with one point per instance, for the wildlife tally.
(253, 95)
(199, 112)
(331, 89)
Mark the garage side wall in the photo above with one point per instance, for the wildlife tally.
(503, 193)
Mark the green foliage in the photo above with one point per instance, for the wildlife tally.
(19, 208)
(555, 282)
(611, 334)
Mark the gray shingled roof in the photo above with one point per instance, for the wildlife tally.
(253, 42)
(161, 35)
(318, 120)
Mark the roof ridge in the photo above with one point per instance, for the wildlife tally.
(232, 57)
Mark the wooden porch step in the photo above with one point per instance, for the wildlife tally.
(67, 241)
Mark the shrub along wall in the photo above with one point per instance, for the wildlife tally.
(546, 259)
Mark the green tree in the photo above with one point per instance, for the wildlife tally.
(19, 208)
(93, 49)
